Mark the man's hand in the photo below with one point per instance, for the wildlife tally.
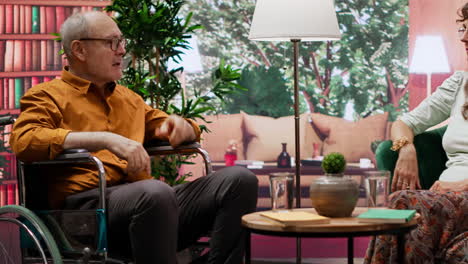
(443, 186)
(177, 130)
(406, 174)
(132, 151)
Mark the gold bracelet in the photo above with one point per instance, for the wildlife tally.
(399, 143)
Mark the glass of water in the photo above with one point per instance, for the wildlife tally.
(282, 190)
(377, 184)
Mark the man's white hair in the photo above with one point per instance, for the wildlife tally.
(75, 27)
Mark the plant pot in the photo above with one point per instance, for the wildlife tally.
(334, 195)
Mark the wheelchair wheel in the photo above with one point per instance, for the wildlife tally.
(6, 213)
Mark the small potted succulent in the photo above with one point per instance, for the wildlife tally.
(334, 195)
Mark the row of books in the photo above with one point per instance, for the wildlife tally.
(30, 55)
(9, 194)
(8, 170)
(27, 19)
(12, 89)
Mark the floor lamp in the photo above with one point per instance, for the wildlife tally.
(429, 57)
(295, 21)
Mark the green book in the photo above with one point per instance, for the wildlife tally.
(391, 216)
(35, 19)
(18, 91)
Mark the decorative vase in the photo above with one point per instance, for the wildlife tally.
(334, 195)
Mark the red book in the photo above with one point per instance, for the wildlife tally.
(9, 51)
(11, 93)
(18, 57)
(57, 56)
(48, 78)
(1, 102)
(5, 93)
(22, 19)
(50, 55)
(11, 194)
(3, 191)
(16, 192)
(36, 55)
(35, 80)
(2, 20)
(8, 19)
(28, 19)
(28, 55)
(68, 11)
(50, 19)
(16, 19)
(2, 51)
(43, 55)
(60, 17)
(27, 84)
(42, 15)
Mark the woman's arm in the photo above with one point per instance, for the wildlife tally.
(406, 174)
(443, 186)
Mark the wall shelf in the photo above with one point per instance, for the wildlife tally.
(56, 3)
(27, 37)
(29, 74)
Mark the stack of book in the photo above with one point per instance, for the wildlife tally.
(292, 218)
(390, 216)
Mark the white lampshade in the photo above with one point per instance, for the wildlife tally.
(429, 56)
(283, 20)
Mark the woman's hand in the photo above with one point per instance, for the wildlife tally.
(406, 174)
(443, 186)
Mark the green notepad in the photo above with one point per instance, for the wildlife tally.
(392, 216)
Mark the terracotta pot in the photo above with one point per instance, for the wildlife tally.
(334, 195)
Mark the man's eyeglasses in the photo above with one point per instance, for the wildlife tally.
(114, 42)
(461, 32)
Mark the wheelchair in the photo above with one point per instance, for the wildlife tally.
(70, 236)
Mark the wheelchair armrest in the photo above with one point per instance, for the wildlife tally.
(7, 120)
(158, 147)
(70, 154)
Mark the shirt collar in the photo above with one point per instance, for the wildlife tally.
(80, 83)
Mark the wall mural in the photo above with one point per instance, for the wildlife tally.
(364, 73)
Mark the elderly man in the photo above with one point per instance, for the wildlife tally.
(147, 219)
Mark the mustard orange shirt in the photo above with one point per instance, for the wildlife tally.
(49, 111)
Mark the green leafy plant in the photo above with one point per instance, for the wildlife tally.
(334, 163)
(156, 34)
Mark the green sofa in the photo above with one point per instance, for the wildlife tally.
(431, 156)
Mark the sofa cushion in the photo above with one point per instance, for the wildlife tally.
(352, 139)
(264, 136)
(223, 129)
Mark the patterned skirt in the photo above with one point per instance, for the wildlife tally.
(440, 237)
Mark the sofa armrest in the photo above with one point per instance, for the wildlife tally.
(430, 154)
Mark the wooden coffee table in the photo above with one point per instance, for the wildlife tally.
(347, 227)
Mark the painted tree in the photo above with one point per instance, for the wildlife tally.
(367, 67)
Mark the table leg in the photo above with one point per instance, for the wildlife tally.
(350, 250)
(401, 247)
(298, 250)
(247, 247)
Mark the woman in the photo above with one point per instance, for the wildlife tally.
(442, 232)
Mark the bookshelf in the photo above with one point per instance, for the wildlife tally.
(29, 55)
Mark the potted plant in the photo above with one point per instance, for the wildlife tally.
(334, 195)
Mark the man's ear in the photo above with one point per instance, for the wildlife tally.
(78, 50)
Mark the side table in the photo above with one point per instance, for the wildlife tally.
(347, 227)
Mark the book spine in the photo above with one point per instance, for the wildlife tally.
(9, 50)
(19, 86)
(18, 57)
(22, 19)
(50, 55)
(2, 51)
(35, 80)
(60, 13)
(43, 63)
(48, 78)
(28, 19)
(35, 19)
(50, 19)
(57, 56)
(5, 93)
(36, 55)
(27, 84)
(10, 194)
(16, 19)
(3, 194)
(42, 19)
(11, 93)
(2, 19)
(28, 55)
(8, 19)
